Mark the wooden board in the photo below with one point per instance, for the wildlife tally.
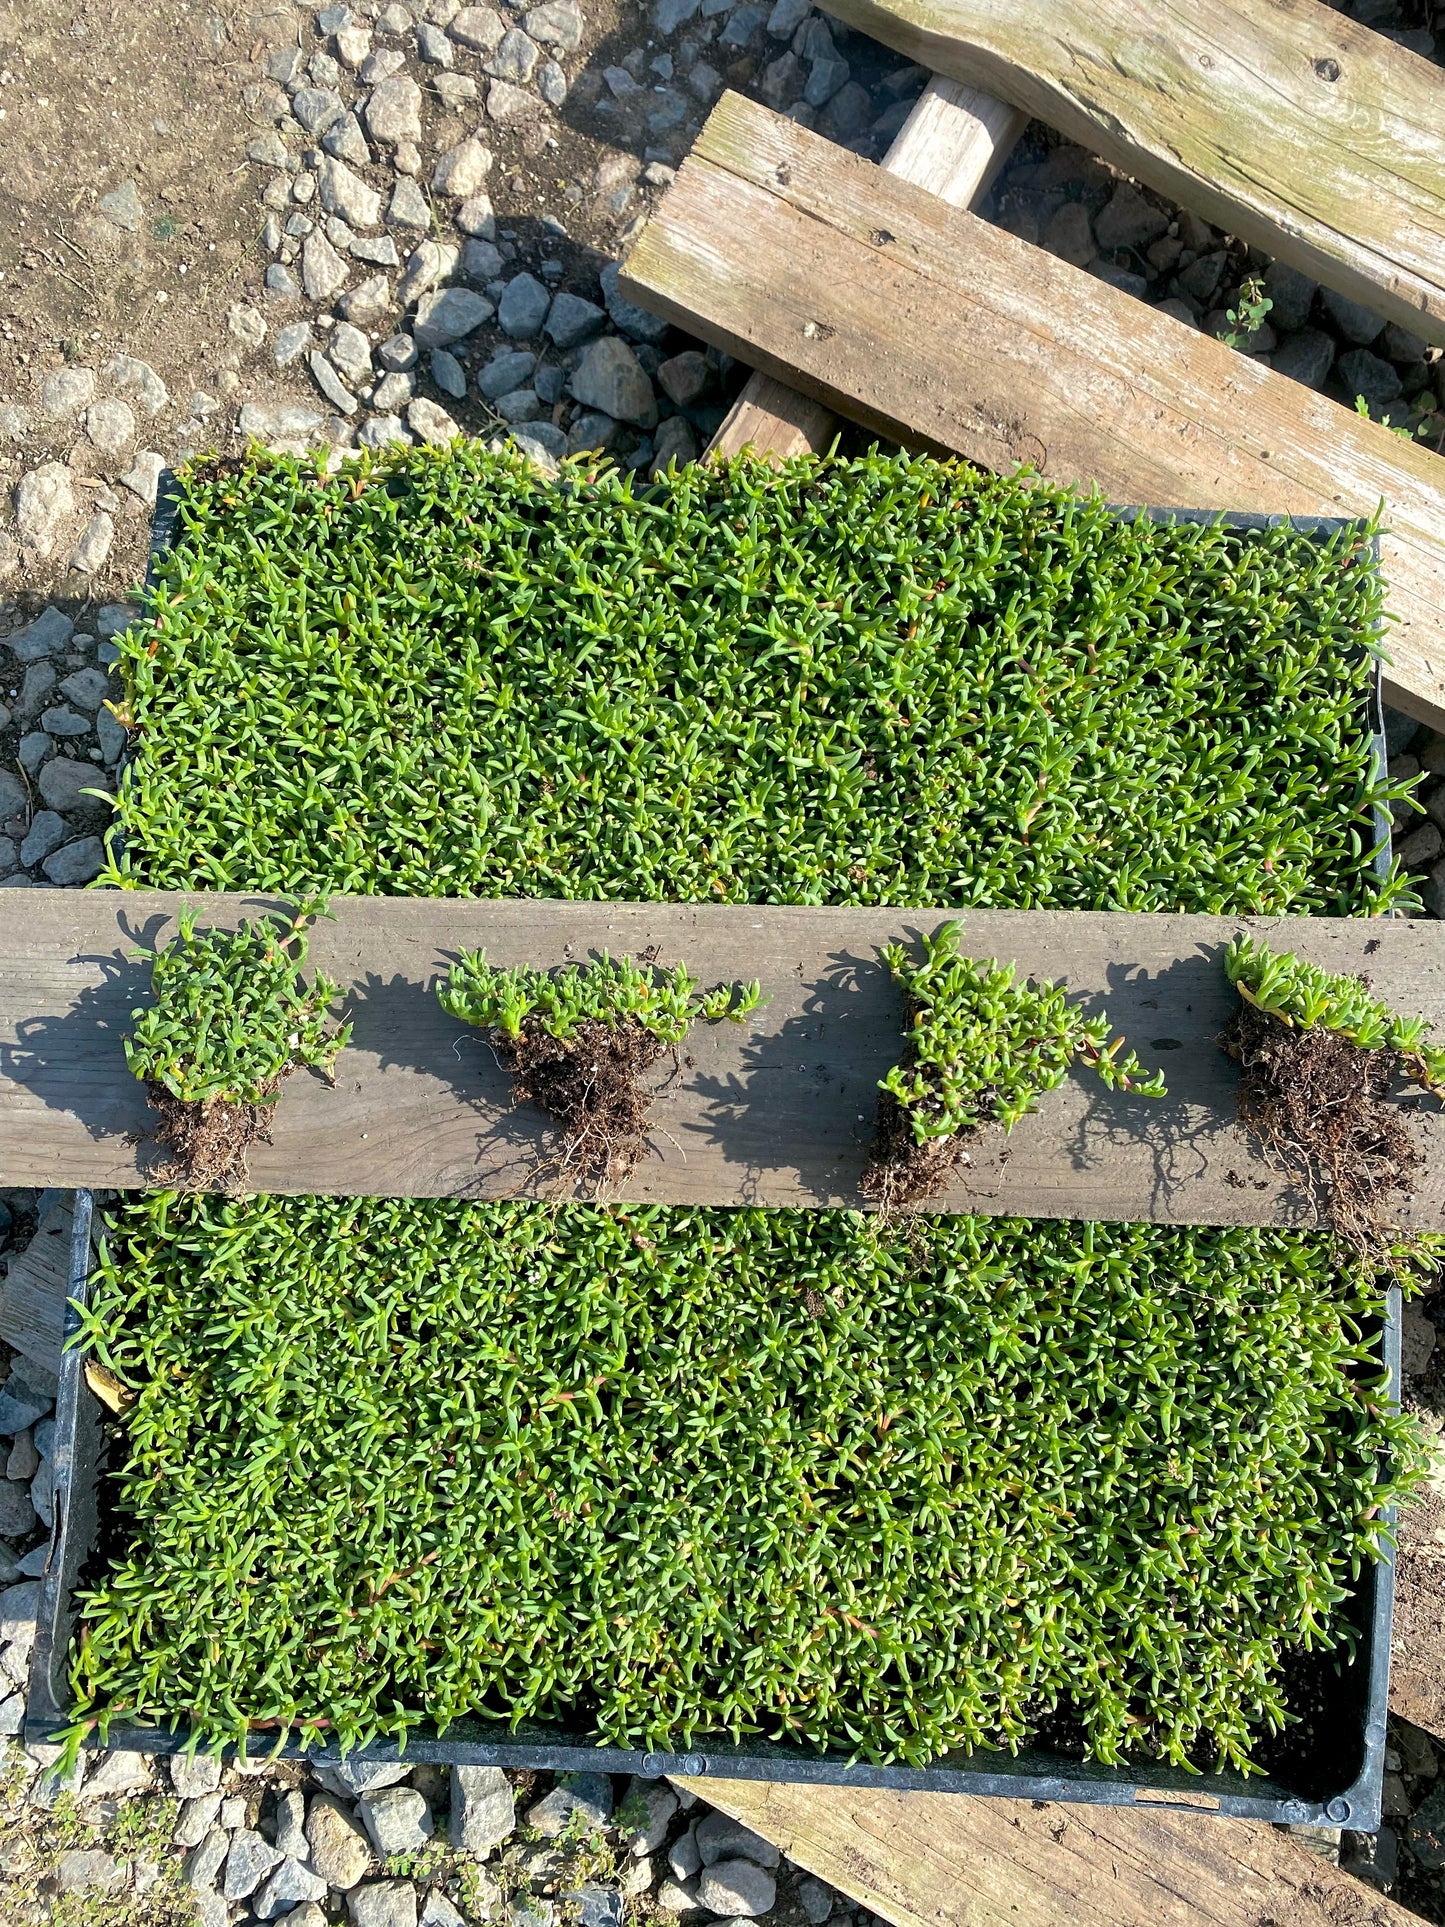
(953, 143)
(779, 1112)
(1314, 138)
(941, 1860)
(32, 1294)
(934, 328)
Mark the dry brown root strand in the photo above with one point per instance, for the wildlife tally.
(207, 1142)
(1320, 1105)
(587, 1084)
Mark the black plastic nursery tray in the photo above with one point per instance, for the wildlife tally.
(1336, 1778)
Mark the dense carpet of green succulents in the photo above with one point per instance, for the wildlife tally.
(889, 1493)
(881, 680)
(609, 991)
(677, 1473)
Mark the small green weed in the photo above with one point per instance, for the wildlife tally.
(1248, 314)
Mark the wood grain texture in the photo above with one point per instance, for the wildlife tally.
(947, 1860)
(934, 328)
(779, 1112)
(953, 143)
(1314, 138)
(32, 1293)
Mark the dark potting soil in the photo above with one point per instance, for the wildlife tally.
(1321, 1105)
(207, 1142)
(587, 1084)
(902, 1171)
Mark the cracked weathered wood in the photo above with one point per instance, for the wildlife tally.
(937, 329)
(949, 1860)
(778, 1112)
(953, 143)
(1282, 122)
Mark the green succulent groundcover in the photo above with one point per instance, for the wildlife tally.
(668, 1473)
(691, 1472)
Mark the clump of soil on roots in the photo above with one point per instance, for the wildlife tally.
(208, 1141)
(587, 1084)
(902, 1172)
(1320, 1104)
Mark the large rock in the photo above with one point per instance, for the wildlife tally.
(323, 272)
(194, 1775)
(65, 392)
(287, 1887)
(383, 1903)
(76, 863)
(345, 193)
(393, 111)
(46, 636)
(737, 1888)
(647, 1810)
(611, 378)
(120, 1772)
(397, 1818)
(95, 543)
(484, 1808)
(523, 307)
(1357, 323)
(479, 28)
(1127, 220)
(462, 170)
(366, 304)
(133, 377)
(427, 267)
(110, 426)
(89, 1871)
(578, 1800)
(271, 421)
(1427, 1832)
(556, 23)
(44, 503)
(571, 320)
(64, 781)
(720, 1838)
(340, 1851)
(626, 315)
(251, 1860)
(448, 315)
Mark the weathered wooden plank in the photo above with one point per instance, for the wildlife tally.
(944, 1860)
(953, 143)
(32, 1294)
(1282, 122)
(935, 328)
(780, 1112)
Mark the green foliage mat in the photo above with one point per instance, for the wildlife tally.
(886, 1497)
(680, 1472)
(883, 680)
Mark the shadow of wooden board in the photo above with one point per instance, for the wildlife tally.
(776, 1112)
(1315, 139)
(946, 1860)
(934, 328)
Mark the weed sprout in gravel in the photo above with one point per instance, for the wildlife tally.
(667, 1472)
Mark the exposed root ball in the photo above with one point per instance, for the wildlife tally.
(902, 1171)
(587, 1084)
(1321, 1105)
(208, 1142)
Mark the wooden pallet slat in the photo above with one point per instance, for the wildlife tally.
(934, 328)
(947, 1860)
(953, 143)
(1282, 122)
(777, 1112)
